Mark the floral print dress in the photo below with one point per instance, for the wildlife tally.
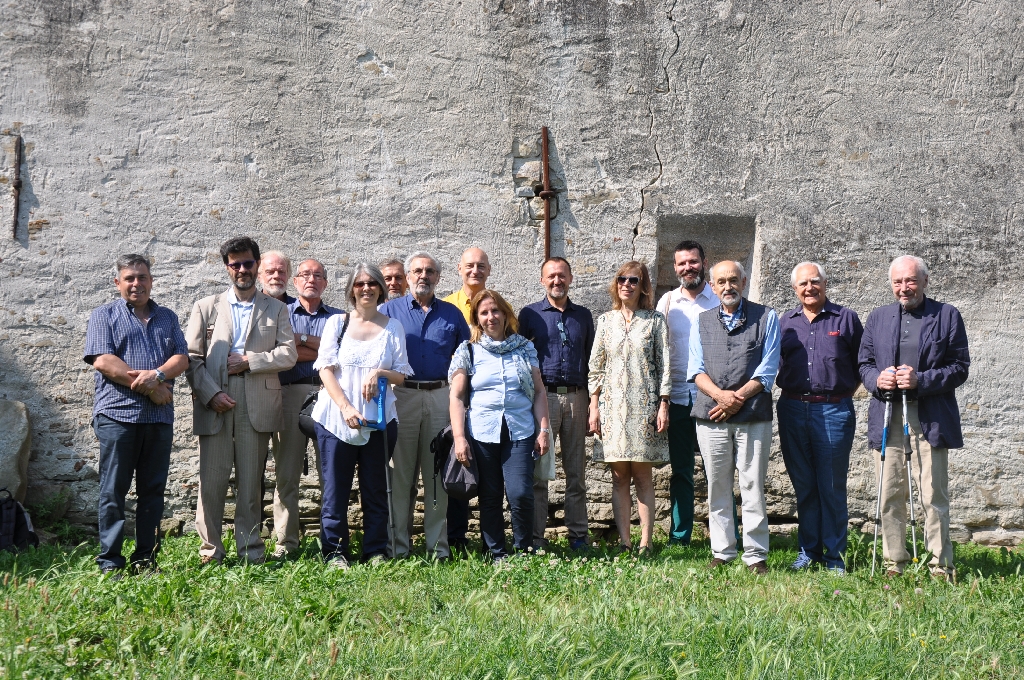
(630, 365)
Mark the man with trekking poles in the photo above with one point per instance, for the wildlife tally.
(913, 356)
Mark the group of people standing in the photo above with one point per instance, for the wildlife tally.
(648, 380)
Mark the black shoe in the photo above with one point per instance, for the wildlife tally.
(144, 568)
(112, 573)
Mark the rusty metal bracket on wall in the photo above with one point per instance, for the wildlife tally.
(546, 193)
(16, 184)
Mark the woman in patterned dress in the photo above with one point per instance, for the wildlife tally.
(630, 386)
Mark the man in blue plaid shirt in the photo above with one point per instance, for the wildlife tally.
(137, 349)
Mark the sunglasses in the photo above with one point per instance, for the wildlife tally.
(631, 280)
(244, 264)
(365, 284)
(561, 332)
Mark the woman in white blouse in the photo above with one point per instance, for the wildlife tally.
(498, 378)
(355, 350)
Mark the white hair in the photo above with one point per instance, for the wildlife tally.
(284, 258)
(743, 272)
(821, 272)
(422, 254)
(922, 268)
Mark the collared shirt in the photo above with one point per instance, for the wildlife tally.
(304, 323)
(431, 337)
(564, 352)
(463, 302)
(820, 356)
(114, 329)
(732, 320)
(241, 315)
(681, 313)
(765, 372)
(497, 396)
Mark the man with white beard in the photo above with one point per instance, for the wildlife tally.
(681, 306)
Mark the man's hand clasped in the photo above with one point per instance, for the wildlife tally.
(237, 363)
(729, 403)
(897, 378)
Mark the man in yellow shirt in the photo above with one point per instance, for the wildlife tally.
(474, 268)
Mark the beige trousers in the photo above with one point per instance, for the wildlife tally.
(930, 467)
(289, 450)
(239, 445)
(567, 414)
(421, 415)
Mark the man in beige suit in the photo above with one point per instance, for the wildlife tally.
(238, 340)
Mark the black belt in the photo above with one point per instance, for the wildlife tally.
(812, 398)
(425, 384)
(564, 389)
(311, 380)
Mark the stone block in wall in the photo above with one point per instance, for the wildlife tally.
(998, 536)
(15, 446)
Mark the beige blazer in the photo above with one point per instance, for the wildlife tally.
(270, 347)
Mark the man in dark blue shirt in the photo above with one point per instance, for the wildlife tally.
(433, 330)
(818, 375)
(563, 334)
(308, 315)
(137, 349)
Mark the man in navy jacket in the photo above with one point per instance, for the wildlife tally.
(919, 346)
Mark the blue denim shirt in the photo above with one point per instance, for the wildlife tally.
(114, 329)
(497, 396)
(430, 338)
(765, 372)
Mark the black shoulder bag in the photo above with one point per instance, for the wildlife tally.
(458, 480)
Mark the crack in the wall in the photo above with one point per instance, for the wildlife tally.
(675, 49)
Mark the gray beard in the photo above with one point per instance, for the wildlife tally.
(394, 295)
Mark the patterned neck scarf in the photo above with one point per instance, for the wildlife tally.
(521, 349)
(733, 321)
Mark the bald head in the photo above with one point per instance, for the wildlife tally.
(728, 280)
(474, 268)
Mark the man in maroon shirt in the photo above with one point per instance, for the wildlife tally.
(818, 375)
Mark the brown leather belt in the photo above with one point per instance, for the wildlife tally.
(425, 384)
(564, 389)
(816, 398)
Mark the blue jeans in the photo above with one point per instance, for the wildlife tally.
(338, 462)
(142, 450)
(506, 469)
(816, 440)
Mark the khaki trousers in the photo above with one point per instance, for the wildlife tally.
(931, 477)
(289, 450)
(421, 415)
(568, 414)
(236, 444)
(741, 450)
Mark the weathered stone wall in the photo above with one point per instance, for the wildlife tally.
(847, 131)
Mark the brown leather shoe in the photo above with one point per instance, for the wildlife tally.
(892, 573)
(759, 568)
(716, 563)
(205, 560)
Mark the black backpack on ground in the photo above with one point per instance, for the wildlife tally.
(16, 532)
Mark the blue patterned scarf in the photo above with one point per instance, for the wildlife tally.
(523, 357)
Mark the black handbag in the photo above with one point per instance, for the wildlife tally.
(458, 481)
(307, 425)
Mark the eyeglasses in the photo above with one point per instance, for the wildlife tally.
(429, 271)
(561, 332)
(244, 264)
(631, 280)
(316, 276)
(365, 284)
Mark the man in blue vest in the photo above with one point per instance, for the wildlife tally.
(918, 346)
(734, 358)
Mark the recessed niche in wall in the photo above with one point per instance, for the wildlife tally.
(724, 237)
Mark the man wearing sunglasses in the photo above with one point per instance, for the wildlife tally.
(238, 341)
(308, 315)
(563, 334)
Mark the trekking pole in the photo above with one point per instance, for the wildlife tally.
(910, 478)
(881, 473)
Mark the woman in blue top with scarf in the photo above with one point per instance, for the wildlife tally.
(501, 384)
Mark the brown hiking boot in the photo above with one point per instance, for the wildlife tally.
(759, 568)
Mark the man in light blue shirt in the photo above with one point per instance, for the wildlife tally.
(734, 358)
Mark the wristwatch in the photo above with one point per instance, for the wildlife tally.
(303, 338)
(160, 376)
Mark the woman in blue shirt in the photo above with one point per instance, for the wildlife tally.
(500, 383)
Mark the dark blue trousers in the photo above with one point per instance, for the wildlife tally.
(338, 462)
(506, 469)
(816, 440)
(142, 451)
(458, 521)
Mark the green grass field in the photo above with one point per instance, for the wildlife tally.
(551, 615)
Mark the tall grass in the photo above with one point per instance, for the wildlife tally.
(550, 615)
